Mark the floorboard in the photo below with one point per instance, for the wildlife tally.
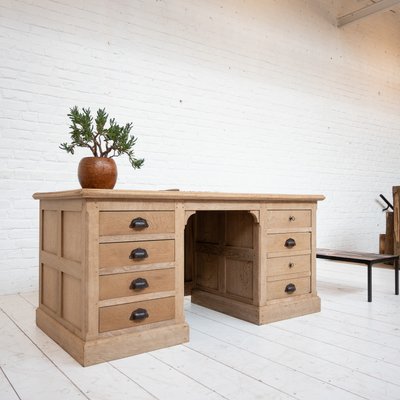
(351, 350)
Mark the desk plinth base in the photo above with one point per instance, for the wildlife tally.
(272, 311)
(112, 347)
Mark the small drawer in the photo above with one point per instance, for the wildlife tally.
(288, 219)
(288, 288)
(134, 314)
(114, 255)
(288, 265)
(288, 242)
(134, 222)
(135, 283)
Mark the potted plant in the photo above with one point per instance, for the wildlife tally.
(99, 171)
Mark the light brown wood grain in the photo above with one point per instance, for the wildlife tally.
(49, 293)
(180, 220)
(117, 254)
(239, 278)
(288, 219)
(49, 231)
(117, 222)
(276, 290)
(71, 235)
(207, 268)
(71, 309)
(189, 240)
(118, 317)
(235, 308)
(233, 248)
(288, 265)
(118, 285)
(296, 307)
(239, 229)
(210, 197)
(276, 242)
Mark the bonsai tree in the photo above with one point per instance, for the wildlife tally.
(103, 142)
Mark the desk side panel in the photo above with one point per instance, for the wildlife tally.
(62, 263)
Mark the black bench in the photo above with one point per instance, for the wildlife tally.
(363, 258)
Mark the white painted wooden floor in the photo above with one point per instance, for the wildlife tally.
(351, 350)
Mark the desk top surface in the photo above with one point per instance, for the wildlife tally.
(112, 194)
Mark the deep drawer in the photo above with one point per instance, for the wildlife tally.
(122, 316)
(288, 242)
(136, 283)
(135, 222)
(136, 253)
(288, 219)
(288, 288)
(288, 265)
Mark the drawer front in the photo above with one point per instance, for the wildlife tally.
(288, 265)
(288, 219)
(136, 253)
(288, 242)
(288, 288)
(134, 222)
(136, 283)
(121, 316)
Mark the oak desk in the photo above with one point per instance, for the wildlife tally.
(113, 262)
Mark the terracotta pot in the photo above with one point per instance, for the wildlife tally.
(97, 173)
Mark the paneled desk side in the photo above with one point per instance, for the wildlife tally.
(112, 265)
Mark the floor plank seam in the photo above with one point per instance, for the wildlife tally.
(343, 348)
(46, 356)
(362, 317)
(294, 348)
(136, 383)
(275, 362)
(10, 383)
(358, 292)
(22, 296)
(188, 376)
(355, 325)
(239, 372)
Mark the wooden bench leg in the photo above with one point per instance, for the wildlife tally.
(369, 282)
(396, 277)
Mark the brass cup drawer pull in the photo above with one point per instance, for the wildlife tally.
(138, 223)
(292, 218)
(139, 314)
(139, 284)
(290, 288)
(290, 243)
(138, 254)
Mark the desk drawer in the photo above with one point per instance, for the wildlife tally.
(288, 242)
(134, 222)
(136, 253)
(122, 316)
(288, 288)
(288, 219)
(288, 265)
(136, 283)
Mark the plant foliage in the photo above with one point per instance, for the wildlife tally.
(103, 142)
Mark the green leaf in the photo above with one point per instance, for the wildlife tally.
(105, 142)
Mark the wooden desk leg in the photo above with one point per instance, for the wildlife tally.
(369, 282)
(396, 276)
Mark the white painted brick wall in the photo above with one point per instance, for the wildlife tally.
(225, 95)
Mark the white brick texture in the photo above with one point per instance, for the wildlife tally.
(225, 95)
